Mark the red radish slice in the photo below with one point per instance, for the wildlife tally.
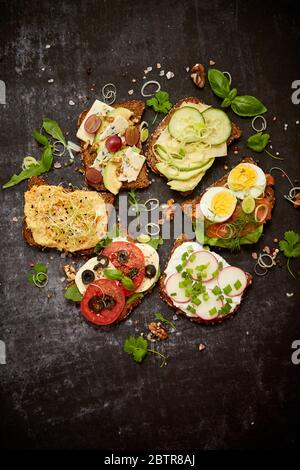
(230, 276)
(92, 124)
(172, 287)
(202, 258)
(206, 308)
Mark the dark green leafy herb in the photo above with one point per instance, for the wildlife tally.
(258, 143)
(159, 317)
(39, 278)
(133, 297)
(102, 244)
(247, 106)
(117, 275)
(73, 293)
(219, 83)
(160, 102)
(290, 246)
(137, 348)
(40, 138)
(134, 200)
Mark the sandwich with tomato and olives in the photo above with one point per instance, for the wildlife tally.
(111, 146)
(114, 281)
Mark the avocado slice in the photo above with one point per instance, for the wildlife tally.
(110, 178)
(189, 185)
(174, 173)
(126, 113)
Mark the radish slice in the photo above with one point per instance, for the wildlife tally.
(209, 309)
(202, 258)
(233, 277)
(176, 293)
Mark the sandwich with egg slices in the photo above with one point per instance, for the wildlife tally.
(184, 145)
(115, 280)
(64, 219)
(235, 208)
(201, 284)
(111, 146)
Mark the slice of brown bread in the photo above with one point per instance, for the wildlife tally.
(163, 295)
(88, 155)
(189, 205)
(150, 155)
(27, 234)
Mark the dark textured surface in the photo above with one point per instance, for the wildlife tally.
(67, 385)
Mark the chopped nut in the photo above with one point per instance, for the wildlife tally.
(70, 272)
(198, 75)
(254, 255)
(201, 347)
(158, 330)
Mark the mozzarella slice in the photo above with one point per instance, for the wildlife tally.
(151, 257)
(90, 264)
(98, 107)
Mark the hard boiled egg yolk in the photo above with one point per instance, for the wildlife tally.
(242, 177)
(223, 203)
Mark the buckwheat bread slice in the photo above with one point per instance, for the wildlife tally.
(88, 155)
(189, 206)
(27, 233)
(149, 153)
(163, 295)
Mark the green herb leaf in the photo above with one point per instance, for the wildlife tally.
(237, 284)
(290, 245)
(155, 242)
(219, 83)
(258, 142)
(113, 274)
(227, 289)
(133, 297)
(47, 158)
(247, 106)
(102, 244)
(40, 138)
(137, 348)
(160, 102)
(30, 277)
(159, 317)
(73, 293)
(127, 283)
(52, 128)
(40, 268)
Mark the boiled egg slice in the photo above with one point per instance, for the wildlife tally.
(218, 204)
(247, 179)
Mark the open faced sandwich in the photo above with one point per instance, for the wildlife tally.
(69, 220)
(235, 208)
(111, 146)
(185, 144)
(200, 284)
(113, 282)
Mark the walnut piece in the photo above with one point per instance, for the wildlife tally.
(297, 201)
(158, 330)
(70, 272)
(198, 75)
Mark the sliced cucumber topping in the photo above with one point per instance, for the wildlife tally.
(186, 124)
(218, 125)
(248, 204)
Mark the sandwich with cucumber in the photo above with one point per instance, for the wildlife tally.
(234, 210)
(111, 147)
(187, 141)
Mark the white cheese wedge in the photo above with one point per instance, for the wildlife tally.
(90, 264)
(98, 107)
(118, 126)
(131, 165)
(151, 257)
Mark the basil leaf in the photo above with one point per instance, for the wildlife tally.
(219, 83)
(247, 106)
(73, 293)
(53, 129)
(258, 142)
(225, 103)
(102, 244)
(113, 274)
(232, 94)
(34, 170)
(127, 283)
(40, 138)
(133, 297)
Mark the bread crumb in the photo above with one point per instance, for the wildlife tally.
(130, 92)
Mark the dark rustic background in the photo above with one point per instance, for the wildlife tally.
(68, 385)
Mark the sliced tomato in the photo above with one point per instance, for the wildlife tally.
(217, 230)
(270, 180)
(103, 302)
(129, 259)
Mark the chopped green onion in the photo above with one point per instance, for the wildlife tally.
(179, 268)
(191, 309)
(205, 296)
(237, 284)
(196, 301)
(173, 294)
(213, 311)
(192, 257)
(216, 290)
(227, 289)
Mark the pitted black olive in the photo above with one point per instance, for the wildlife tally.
(103, 262)
(132, 272)
(150, 271)
(122, 256)
(87, 276)
(98, 303)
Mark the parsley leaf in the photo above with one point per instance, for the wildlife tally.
(258, 142)
(290, 246)
(40, 268)
(102, 244)
(134, 200)
(136, 347)
(160, 102)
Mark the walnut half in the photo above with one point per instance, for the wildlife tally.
(158, 330)
(198, 75)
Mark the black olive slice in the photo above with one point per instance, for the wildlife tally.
(150, 271)
(132, 272)
(87, 276)
(103, 262)
(122, 256)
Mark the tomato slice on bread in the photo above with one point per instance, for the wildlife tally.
(129, 259)
(103, 302)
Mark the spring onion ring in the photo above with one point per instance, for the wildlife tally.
(259, 221)
(28, 162)
(40, 282)
(109, 93)
(148, 228)
(148, 203)
(231, 232)
(59, 148)
(73, 146)
(293, 190)
(227, 74)
(146, 84)
(261, 273)
(263, 123)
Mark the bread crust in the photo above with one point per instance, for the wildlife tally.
(27, 233)
(88, 155)
(149, 153)
(163, 295)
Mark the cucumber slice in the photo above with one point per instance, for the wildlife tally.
(248, 204)
(185, 124)
(219, 125)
